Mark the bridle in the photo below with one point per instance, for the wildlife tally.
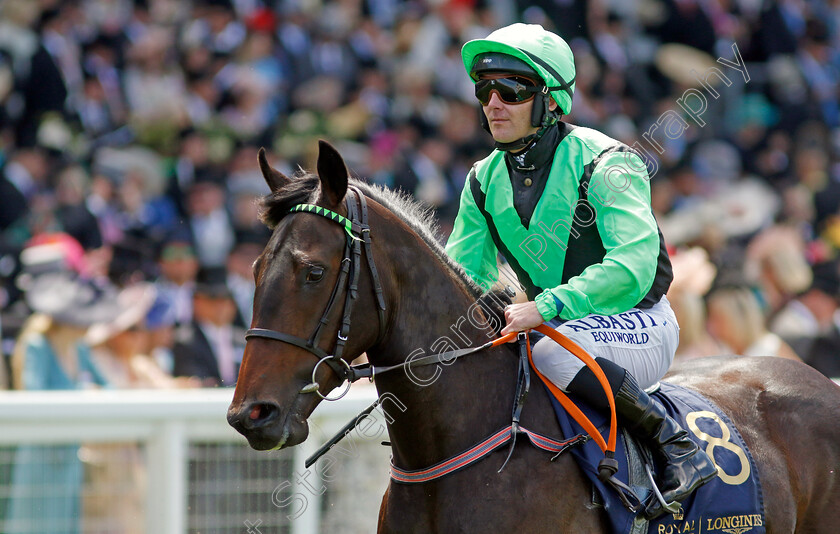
(358, 237)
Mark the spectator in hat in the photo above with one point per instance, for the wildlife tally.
(210, 348)
(120, 350)
(815, 311)
(51, 354)
(209, 219)
(240, 274)
(736, 321)
(811, 322)
(178, 265)
(120, 344)
(48, 252)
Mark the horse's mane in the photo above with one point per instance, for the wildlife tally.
(304, 189)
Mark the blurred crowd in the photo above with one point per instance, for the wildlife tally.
(129, 132)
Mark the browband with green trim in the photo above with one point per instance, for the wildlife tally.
(324, 212)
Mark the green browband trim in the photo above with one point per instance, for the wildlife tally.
(324, 212)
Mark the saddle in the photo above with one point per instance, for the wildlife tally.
(731, 503)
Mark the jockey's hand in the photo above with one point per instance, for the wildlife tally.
(522, 317)
(493, 305)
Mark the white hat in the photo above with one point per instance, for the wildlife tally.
(134, 303)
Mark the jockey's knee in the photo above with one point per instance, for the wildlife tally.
(555, 362)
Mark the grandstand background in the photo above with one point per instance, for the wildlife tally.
(129, 131)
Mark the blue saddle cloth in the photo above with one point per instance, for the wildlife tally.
(730, 503)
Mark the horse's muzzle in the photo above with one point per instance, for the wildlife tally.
(261, 423)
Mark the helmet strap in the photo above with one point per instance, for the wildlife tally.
(484, 122)
(539, 108)
(551, 117)
(519, 144)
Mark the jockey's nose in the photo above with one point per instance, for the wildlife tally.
(495, 100)
(254, 416)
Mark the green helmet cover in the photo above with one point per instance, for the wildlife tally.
(497, 62)
(546, 52)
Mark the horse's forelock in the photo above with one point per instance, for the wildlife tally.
(274, 206)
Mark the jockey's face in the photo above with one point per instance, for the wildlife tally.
(508, 122)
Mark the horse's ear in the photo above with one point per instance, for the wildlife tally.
(275, 179)
(333, 174)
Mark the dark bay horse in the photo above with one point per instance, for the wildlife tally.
(785, 411)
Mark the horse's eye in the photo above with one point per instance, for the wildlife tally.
(314, 274)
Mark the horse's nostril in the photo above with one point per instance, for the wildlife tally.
(255, 416)
(261, 414)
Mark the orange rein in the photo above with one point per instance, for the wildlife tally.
(608, 446)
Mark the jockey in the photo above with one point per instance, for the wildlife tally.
(570, 210)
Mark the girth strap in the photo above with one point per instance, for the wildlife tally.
(479, 451)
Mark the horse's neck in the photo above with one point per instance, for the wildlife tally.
(447, 407)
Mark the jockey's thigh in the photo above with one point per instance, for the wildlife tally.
(641, 341)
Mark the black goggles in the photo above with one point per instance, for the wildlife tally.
(514, 90)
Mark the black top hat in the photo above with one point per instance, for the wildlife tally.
(212, 282)
(219, 4)
(252, 236)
